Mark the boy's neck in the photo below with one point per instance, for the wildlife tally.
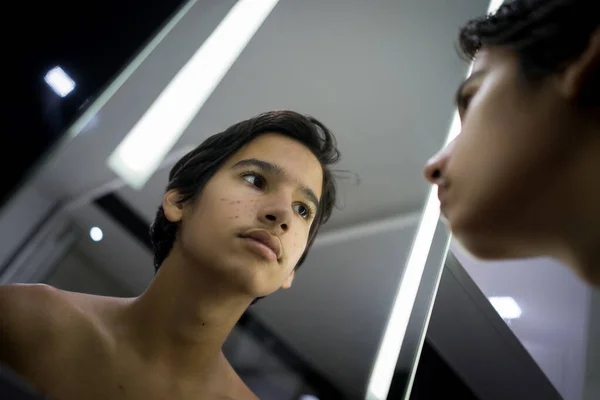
(185, 316)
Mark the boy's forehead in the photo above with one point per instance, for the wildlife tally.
(269, 142)
(292, 157)
(275, 148)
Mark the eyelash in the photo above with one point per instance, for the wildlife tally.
(309, 209)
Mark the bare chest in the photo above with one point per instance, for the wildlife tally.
(96, 380)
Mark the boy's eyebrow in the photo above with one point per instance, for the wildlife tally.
(275, 169)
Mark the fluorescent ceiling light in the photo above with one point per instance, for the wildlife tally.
(507, 307)
(59, 81)
(141, 151)
(84, 121)
(456, 126)
(393, 338)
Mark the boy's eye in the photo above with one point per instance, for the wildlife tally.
(254, 179)
(303, 210)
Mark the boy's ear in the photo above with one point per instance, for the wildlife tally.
(172, 206)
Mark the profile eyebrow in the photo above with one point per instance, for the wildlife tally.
(470, 79)
(275, 169)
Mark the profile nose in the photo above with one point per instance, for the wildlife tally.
(434, 168)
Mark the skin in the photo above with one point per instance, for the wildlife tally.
(521, 180)
(166, 343)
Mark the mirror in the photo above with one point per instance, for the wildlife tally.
(380, 75)
(540, 331)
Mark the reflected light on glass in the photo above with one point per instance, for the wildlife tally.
(96, 234)
(141, 151)
(387, 356)
(494, 6)
(507, 307)
(59, 81)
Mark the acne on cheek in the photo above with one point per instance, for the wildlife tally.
(296, 244)
(224, 199)
(238, 203)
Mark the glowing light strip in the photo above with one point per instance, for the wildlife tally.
(120, 80)
(385, 364)
(494, 6)
(141, 151)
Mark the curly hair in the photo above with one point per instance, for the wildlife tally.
(546, 34)
(191, 173)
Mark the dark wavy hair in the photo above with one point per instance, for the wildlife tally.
(191, 173)
(546, 35)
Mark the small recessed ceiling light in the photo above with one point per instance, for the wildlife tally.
(59, 81)
(96, 234)
(507, 307)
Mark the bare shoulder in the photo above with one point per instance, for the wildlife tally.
(39, 316)
(27, 307)
(25, 324)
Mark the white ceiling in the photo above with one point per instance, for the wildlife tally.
(381, 75)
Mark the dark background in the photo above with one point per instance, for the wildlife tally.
(91, 40)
